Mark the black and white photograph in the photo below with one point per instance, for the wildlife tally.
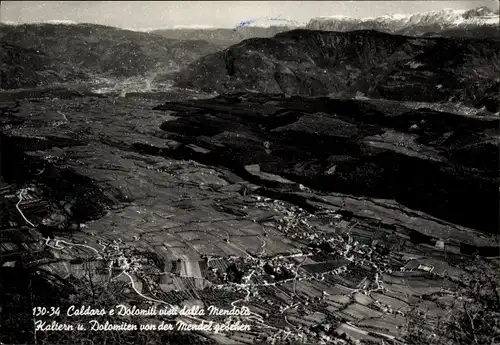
(250, 172)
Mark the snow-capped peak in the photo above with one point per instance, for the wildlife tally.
(446, 18)
(54, 22)
(61, 21)
(266, 22)
(336, 16)
(8, 22)
(194, 26)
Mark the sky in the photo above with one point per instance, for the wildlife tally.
(222, 14)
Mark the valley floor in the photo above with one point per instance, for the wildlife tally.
(322, 219)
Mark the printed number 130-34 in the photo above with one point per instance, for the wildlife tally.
(42, 311)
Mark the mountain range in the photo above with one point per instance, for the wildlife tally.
(222, 36)
(478, 22)
(376, 64)
(378, 61)
(447, 22)
(91, 50)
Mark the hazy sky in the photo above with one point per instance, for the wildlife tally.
(163, 14)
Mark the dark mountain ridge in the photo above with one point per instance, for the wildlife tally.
(22, 67)
(314, 63)
(222, 36)
(99, 50)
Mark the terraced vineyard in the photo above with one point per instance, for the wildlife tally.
(163, 205)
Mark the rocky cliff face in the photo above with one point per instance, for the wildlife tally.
(308, 62)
